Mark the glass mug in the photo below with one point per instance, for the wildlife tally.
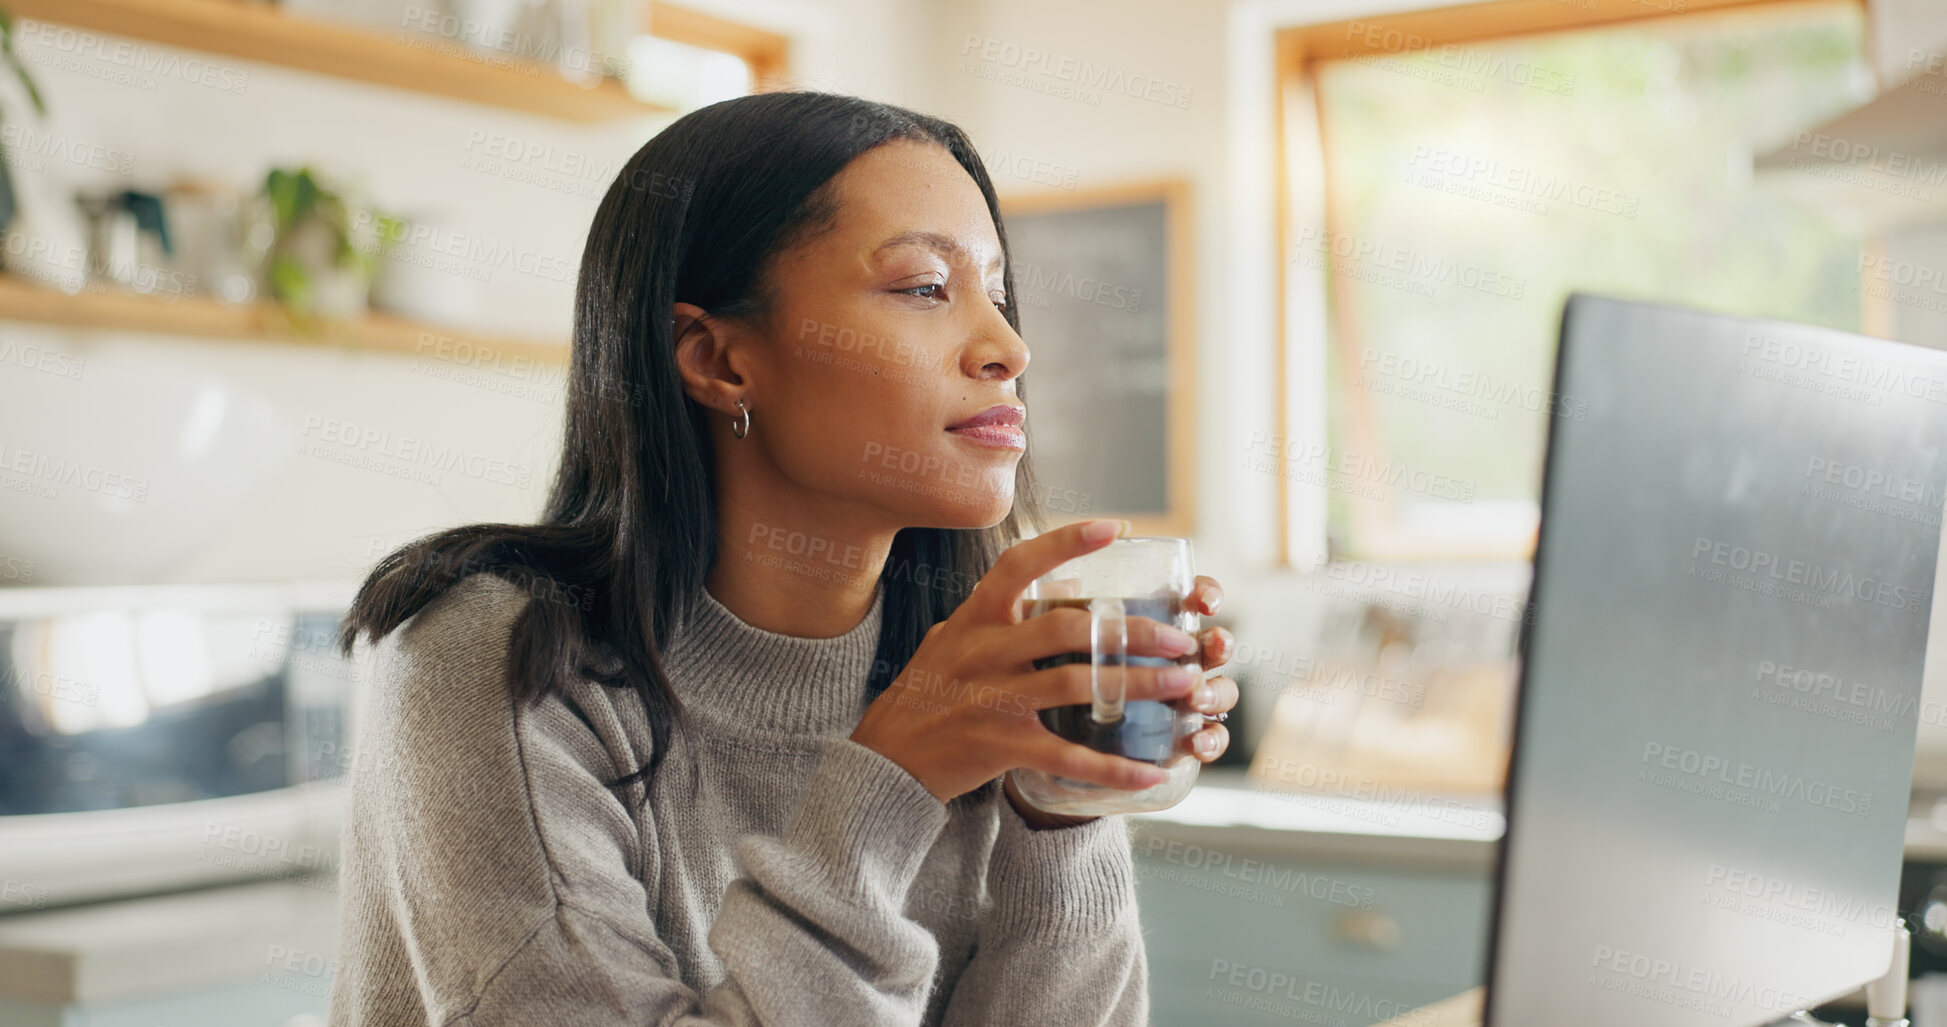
(1141, 576)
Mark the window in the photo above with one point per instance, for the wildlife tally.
(1469, 187)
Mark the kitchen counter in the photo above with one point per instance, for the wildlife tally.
(274, 938)
(262, 952)
(1401, 827)
(1226, 809)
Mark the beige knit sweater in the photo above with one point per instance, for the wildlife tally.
(489, 878)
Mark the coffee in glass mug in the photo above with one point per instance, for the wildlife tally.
(1130, 577)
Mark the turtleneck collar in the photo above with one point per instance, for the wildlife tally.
(740, 675)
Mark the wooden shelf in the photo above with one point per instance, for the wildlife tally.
(99, 306)
(406, 60)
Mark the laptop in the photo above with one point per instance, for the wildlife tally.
(1720, 681)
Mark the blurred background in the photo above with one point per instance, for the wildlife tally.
(285, 285)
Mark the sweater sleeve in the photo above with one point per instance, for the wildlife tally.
(491, 878)
(1062, 942)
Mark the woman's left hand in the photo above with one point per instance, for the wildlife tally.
(1219, 693)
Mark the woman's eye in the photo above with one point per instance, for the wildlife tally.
(918, 290)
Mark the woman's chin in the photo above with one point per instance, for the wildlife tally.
(971, 518)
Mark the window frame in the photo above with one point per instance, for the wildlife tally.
(1302, 511)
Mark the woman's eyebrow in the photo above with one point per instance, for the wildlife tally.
(944, 245)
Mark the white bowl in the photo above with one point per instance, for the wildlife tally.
(118, 475)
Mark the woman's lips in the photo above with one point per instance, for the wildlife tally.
(999, 436)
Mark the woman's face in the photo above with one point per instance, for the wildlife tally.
(886, 332)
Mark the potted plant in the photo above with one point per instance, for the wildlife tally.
(323, 248)
(8, 203)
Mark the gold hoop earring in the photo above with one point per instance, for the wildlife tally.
(741, 426)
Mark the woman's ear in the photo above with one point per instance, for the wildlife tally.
(703, 358)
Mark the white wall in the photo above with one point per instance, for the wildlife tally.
(312, 517)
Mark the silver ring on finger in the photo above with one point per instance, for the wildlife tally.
(1216, 718)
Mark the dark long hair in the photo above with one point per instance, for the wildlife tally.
(630, 530)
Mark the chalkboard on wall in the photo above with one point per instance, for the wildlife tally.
(1101, 281)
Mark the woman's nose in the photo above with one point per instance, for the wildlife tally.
(997, 351)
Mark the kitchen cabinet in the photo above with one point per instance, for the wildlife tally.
(1264, 908)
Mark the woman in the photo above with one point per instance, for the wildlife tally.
(718, 740)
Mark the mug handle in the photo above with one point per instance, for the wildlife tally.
(1108, 646)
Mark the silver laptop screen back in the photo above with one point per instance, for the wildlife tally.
(1722, 676)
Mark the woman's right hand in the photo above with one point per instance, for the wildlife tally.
(966, 708)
